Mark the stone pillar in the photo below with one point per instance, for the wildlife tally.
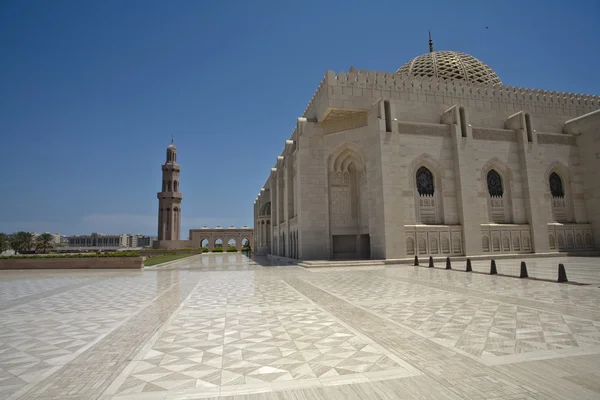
(537, 204)
(386, 215)
(466, 182)
(274, 210)
(587, 131)
(314, 238)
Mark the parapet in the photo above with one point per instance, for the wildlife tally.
(377, 80)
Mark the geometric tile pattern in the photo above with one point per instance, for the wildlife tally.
(12, 289)
(242, 348)
(28, 348)
(489, 328)
(234, 293)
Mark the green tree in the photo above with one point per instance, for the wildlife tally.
(44, 242)
(21, 242)
(4, 242)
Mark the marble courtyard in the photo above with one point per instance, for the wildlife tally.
(225, 326)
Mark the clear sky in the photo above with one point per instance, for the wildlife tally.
(91, 91)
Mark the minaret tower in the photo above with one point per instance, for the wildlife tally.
(169, 200)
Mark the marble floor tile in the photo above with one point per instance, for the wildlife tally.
(230, 327)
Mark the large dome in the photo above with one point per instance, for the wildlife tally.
(450, 65)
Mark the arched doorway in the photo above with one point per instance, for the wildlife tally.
(219, 243)
(204, 243)
(232, 244)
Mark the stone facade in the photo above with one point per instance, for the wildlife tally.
(169, 199)
(210, 237)
(386, 166)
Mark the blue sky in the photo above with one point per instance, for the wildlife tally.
(91, 91)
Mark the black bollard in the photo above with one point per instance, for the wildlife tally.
(448, 266)
(493, 270)
(562, 274)
(469, 269)
(416, 261)
(523, 273)
(430, 262)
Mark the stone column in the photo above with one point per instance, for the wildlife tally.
(314, 238)
(465, 180)
(274, 209)
(537, 204)
(386, 215)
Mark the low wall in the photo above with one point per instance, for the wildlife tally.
(158, 252)
(73, 263)
(173, 244)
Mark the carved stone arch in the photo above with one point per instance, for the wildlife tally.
(410, 246)
(562, 208)
(422, 209)
(551, 241)
(500, 167)
(505, 201)
(265, 210)
(485, 243)
(562, 170)
(346, 154)
(428, 161)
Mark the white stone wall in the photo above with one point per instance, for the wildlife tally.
(399, 123)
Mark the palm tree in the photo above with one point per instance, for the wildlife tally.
(21, 242)
(4, 242)
(44, 242)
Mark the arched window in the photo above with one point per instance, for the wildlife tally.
(494, 182)
(496, 201)
(427, 201)
(425, 185)
(169, 186)
(559, 206)
(175, 186)
(556, 185)
(164, 187)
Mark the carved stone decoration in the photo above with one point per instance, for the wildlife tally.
(456, 244)
(485, 243)
(561, 139)
(445, 244)
(438, 130)
(410, 246)
(499, 135)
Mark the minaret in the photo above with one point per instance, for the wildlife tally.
(169, 200)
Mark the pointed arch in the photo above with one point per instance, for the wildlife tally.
(428, 200)
(346, 154)
(265, 210)
(498, 194)
(428, 161)
(558, 181)
(348, 199)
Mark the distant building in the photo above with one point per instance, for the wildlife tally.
(145, 241)
(99, 240)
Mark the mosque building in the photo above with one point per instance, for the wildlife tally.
(438, 158)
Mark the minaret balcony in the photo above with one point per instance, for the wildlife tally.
(170, 195)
